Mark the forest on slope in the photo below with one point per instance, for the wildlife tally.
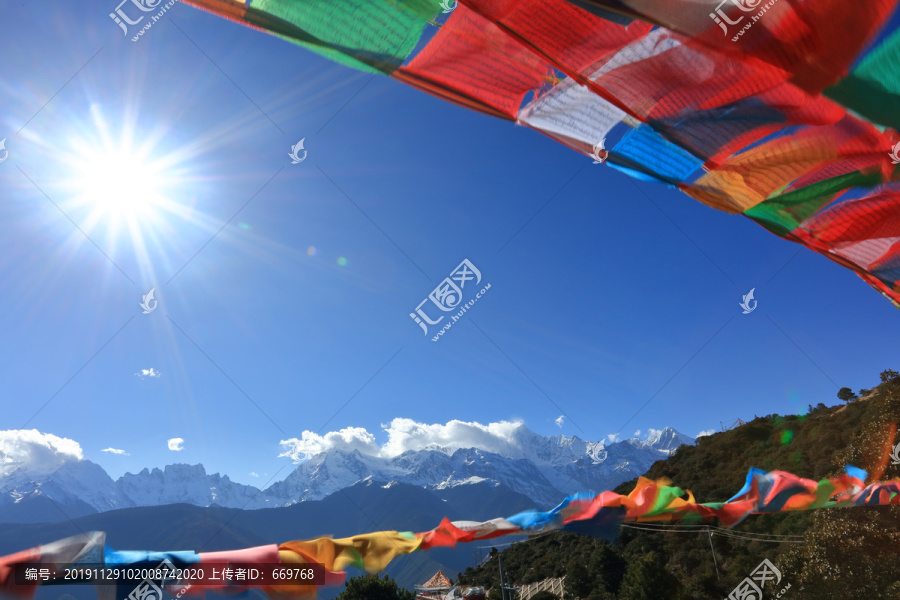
(840, 553)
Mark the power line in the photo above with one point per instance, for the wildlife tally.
(759, 537)
(672, 529)
(527, 538)
(719, 530)
(741, 537)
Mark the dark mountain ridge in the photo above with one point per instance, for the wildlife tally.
(365, 507)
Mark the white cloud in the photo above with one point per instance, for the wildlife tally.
(114, 451)
(705, 432)
(37, 453)
(144, 373)
(560, 420)
(637, 433)
(613, 438)
(406, 434)
(347, 439)
(176, 444)
(252, 474)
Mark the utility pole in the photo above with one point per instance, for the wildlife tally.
(502, 582)
(715, 562)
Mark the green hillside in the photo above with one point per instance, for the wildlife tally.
(846, 553)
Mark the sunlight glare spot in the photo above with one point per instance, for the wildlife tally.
(120, 184)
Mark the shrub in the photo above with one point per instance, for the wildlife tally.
(889, 375)
(846, 394)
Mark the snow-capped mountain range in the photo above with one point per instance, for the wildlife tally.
(543, 468)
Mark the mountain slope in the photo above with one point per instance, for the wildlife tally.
(842, 554)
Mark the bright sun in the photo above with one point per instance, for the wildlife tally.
(119, 185)
(129, 191)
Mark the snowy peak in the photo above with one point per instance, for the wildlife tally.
(326, 473)
(80, 484)
(190, 484)
(667, 440)
(543, 468)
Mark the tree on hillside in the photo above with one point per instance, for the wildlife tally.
(545, 595)
(847, 555)
(889, 375)
(609, 568)
(846, 394)
(373, 587)
(579, 582)
(647, 578)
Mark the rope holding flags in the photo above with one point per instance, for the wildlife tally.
(296, 569)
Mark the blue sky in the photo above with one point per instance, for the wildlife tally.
(284, 290)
